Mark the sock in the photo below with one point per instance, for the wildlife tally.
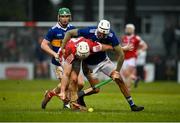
(66, 105)
(130, 101)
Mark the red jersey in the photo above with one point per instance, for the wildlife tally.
(134, 40)
(70, 48)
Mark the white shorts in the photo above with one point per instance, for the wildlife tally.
(58, 71)
(105, 67)
(129, 62)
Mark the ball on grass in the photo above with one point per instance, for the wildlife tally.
(90, 109)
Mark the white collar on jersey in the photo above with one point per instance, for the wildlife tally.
(59, 26)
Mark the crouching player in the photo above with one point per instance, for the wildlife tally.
(99, 62)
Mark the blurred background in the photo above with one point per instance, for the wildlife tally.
(23, 24)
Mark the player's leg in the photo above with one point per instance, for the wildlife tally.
(139, 74)
(133, 76)
(125, 73)
(109, 69)
(129, 72)
(92, 82)
(91, 76)
(80, 81)
(50, 93)
(131, 68)
(74, 85)
(128, 76)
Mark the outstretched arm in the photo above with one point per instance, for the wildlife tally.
(101, 47)
(68, 36)
(46, 48)
(106, 47)
(120, 60)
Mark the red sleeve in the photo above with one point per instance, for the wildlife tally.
(97, 47)
(94, 46)
(70, 52)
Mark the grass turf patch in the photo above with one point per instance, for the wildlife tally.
(20, 100)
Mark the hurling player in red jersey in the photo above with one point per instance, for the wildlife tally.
(137, 45)
(76, 50)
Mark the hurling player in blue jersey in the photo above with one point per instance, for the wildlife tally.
(100, 62)
(51, 44)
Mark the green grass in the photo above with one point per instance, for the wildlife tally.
(20, 101)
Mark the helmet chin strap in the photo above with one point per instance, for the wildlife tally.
(97, 35)
(63, 26)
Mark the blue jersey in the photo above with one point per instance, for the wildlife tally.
(91, 33)
(55, 36)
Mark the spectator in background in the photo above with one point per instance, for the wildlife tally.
(168, 38)
(11, 45)
(177, 37)
(170, 68)
(41, 61)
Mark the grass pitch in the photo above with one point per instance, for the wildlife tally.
(20, 100)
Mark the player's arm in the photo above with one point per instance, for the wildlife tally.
(106, 47)
(45, 46)
(100, 47)
(68, 36)
(120, 54)
(143, 45)
(65, 79)
(128, 47)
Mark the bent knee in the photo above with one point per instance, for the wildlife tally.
(80, 85)
(74, 80)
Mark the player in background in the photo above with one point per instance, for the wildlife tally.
(76, 50)
(51, 44)
(100, 62)
(128, 70)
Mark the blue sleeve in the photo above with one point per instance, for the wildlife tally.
(114, 39)
(73, 27)
(49, 35)
(83, 32)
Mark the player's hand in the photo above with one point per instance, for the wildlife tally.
(128, 47)
(56, 56)
(115, 75)
(62, 96)
(63, 52)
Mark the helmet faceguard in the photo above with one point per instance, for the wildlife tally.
(82, 50)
